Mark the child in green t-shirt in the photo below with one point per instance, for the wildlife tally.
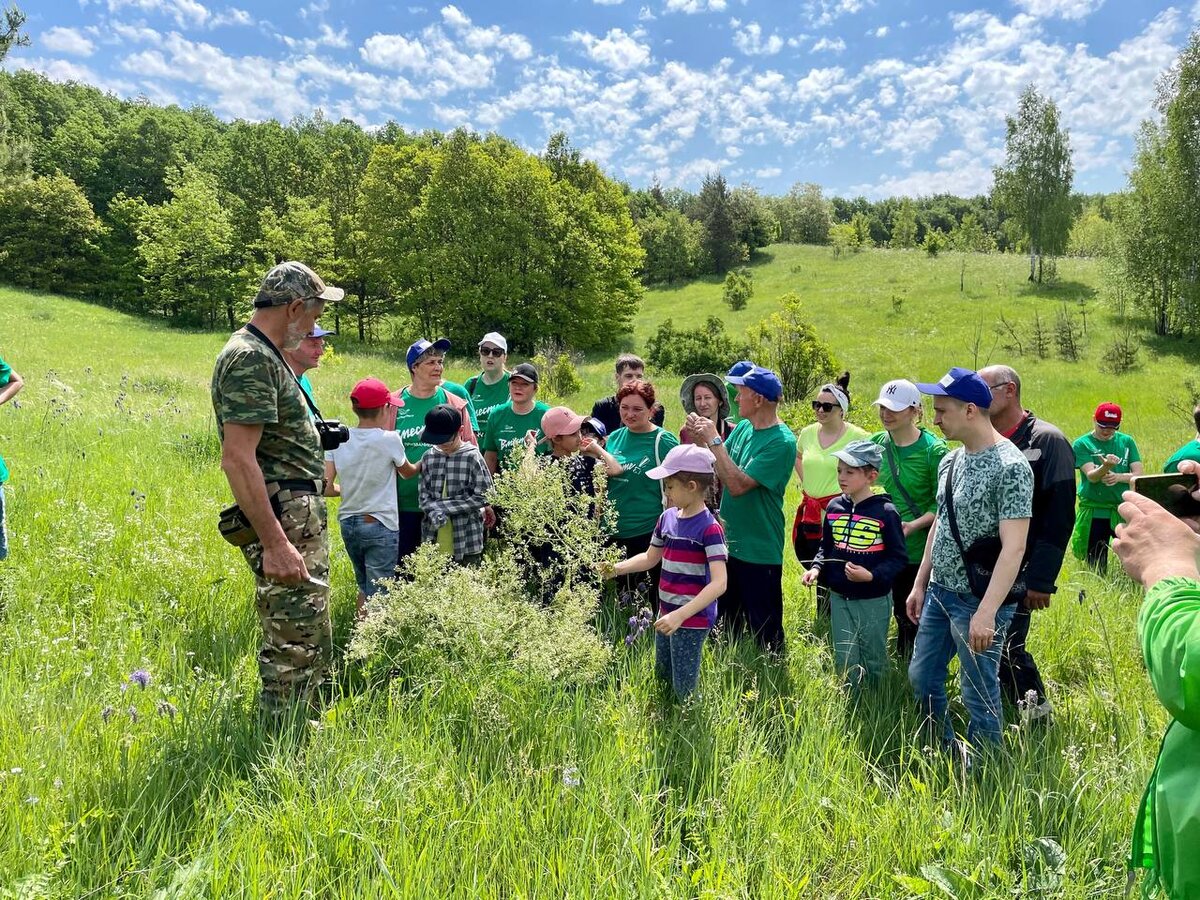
(1107, 460)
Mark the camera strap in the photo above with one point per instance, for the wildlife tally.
(254, 330)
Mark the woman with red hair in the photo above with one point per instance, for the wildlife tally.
(639, 445)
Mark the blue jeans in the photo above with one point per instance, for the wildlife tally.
(372, 548)
(945, 631)
(677, 658)
(3, 527)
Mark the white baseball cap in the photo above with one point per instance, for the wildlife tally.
(496, 339)
(898, 395)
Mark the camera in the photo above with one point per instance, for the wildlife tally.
(333, 433)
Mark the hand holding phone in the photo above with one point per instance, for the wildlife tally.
(1177, 493)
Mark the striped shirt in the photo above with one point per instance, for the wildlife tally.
(688, 546)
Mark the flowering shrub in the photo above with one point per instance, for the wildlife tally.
(441, 622)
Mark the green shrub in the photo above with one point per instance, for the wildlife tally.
(704, 349)
(441, 622)
(739, 288)
(789, 345)
(559, 377)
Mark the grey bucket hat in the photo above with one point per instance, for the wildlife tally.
(714, 382)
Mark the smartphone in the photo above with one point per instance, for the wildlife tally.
(1172, 492)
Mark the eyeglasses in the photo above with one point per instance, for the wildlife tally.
(490, 351)
(818, 406)
(1000, 384)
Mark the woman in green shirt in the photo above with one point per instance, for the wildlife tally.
(638, 446)
(909, 475)
(816, 469)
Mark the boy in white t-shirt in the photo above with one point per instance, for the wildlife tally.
(366, 467)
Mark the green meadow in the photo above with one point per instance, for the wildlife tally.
(773, 785)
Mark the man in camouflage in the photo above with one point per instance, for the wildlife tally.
(271, 454)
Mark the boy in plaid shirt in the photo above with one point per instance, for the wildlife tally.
(453, 489)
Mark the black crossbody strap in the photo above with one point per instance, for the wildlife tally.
(889, 452)
(950, 506)
(253, 329)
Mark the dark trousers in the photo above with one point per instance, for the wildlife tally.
(1097, 548)
(806, 550)
(410, 533)
(906, 629)
(753, 601)
(1018, 671)
(638, 588)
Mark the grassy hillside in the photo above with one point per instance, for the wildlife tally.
(774, 786)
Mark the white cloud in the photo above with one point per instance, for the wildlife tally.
(830, 45)
(695, 6)
(136, 34)
(326, 37)
(185, 12)
(464, 60)
(231, 16)
(750, 40)
(645, 14)
(768, 172)
(1061, 9)
(881, 31)
(824, 12)
(617, 50)
(67, 40)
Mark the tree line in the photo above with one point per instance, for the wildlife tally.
(175, 213)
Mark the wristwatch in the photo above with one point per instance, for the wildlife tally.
(716, 441)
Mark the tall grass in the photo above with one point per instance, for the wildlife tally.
(772, 785)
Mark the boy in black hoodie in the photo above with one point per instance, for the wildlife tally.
(862, 551)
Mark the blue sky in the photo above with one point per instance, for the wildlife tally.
(875, 97)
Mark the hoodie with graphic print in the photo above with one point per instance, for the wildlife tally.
(870, 534)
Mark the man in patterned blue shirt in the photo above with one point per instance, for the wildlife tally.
(985, 494)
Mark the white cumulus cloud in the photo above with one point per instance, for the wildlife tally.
(829, 45)
(695, 6)
(617, 50)
(749, 39)
(70, 41)
(1061, 9)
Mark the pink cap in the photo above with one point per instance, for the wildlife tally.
(371, 393)
(559, 421)
(684, 458)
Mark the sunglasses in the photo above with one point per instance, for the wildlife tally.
(818, 406)
(490, 351)
(1108, 427)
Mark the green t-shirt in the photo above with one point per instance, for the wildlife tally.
(1190, 450)
(1090, 449)
(459, 391)
(820, 467)
(754, 521)
(636, 498)
(918, 465)
(487, 397)
(5, 378)
(506, 430)
(252, 386)
(410, 422)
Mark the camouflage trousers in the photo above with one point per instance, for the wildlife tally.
(297, 637)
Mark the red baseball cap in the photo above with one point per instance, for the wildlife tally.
(1108, 414)
(371, 393)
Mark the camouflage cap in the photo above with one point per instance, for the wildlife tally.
(291, 281)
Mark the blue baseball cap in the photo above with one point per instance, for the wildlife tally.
(421, 345)
(961, 384)
(319, 332)
(761, 381)
(739, 368)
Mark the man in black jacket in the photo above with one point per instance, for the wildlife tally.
(630, 368)
(1053, 463)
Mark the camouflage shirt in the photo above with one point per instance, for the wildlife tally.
(252, 386)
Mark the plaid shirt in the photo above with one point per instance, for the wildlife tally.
(454, 488)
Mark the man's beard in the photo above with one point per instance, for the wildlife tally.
(294, 337)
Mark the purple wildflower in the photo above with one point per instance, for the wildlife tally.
(106, 713)
(133, 713)
(166, 708)
(140, 677)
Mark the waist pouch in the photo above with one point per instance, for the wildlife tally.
(234, 525)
